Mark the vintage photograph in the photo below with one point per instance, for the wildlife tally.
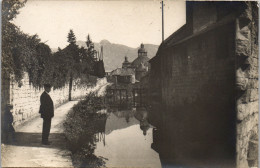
(129, 84)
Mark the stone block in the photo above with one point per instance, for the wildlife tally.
(253, 95)
(253, 83)
(243, 110)
(248, 125)
(241, 80)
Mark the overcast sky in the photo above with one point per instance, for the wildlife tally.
(122, 22)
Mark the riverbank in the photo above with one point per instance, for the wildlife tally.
(81, 127)
(99, 136)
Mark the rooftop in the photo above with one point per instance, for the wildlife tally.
(123, 71)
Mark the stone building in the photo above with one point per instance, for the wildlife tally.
(132, 72)
(126, 63)
(141, 64)
(123, 75)
(205, 75)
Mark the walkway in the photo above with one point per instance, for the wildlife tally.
(28, 150)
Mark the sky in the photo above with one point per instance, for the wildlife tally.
(127, 22)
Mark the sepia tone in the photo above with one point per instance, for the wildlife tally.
(191, 101)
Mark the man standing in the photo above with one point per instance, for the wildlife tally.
(47, 112)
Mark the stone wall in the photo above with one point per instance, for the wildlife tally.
(5, 94)
(247, 86)
(26, 99)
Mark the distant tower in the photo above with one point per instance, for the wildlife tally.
(142, 51)
(126, 63)
(141, 63)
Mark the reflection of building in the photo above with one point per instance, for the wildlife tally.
(142, 115)
(118, 121)
(124, 113)
(99, 126)
(203, 75)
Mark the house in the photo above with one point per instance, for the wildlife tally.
(205, 75)
(123, 75)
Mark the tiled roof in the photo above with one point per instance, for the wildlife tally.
(123, 71)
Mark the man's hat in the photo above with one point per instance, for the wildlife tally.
(47, 85)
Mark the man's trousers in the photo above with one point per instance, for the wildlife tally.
(46, 129)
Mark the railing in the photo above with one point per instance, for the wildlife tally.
(122, 97)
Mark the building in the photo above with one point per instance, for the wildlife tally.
(132, 72)
(141, 64)
(126, 63)
(123, 75)
(205, 75)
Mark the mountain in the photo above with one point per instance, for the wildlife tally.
(114, 54)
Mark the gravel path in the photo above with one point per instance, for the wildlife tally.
(28, 150)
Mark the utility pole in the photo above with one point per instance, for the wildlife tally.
(101, 54)
(162, 21)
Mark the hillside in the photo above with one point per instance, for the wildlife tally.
(114, 53)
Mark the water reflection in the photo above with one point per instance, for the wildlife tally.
(185, 139)
(126, 145)
(83, 144)
(116, 138)
(142, 117)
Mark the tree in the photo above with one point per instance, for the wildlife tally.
(21, 52)
(73, 59)
(58, 70)
(10, 33)
(96, 66)
(90, 47)
(71, 37)
(10, 9)
(43, 56)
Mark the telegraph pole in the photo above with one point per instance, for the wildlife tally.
(162, 22)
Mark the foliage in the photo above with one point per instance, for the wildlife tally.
(24, 53)
(10, 9)
(57, 70)
(9, 33)
(90, 47)
(21, 52)
(80, 131)
(68, 64)
(71, 37)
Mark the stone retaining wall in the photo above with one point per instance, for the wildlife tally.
(247, 86)
(26, 99)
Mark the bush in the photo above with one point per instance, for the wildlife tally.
(81, 126)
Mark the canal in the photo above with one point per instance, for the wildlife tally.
(110, 136)
(127, 140)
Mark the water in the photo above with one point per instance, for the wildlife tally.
(127, 141)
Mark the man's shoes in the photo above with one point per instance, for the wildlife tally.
(46, 143)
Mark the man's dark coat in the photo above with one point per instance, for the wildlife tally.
(46, 108)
